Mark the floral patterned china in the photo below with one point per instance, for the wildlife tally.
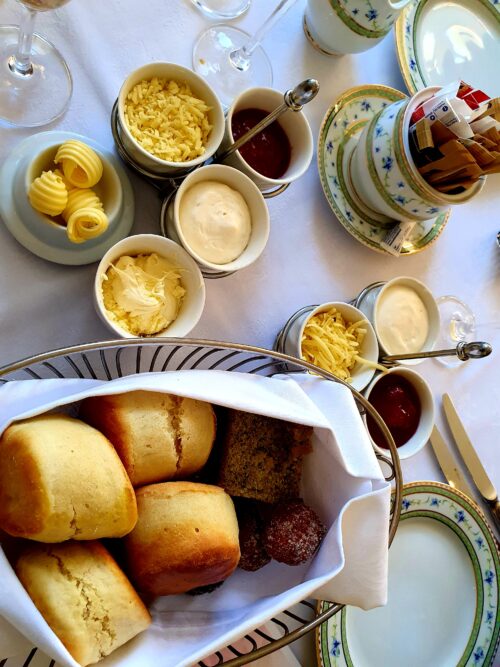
(438, 42)
(338, 136)
(335, 27)
(443, 607)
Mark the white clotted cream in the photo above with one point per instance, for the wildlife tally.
(215, 221)
(402, 320)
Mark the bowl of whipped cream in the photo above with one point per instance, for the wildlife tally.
(147, 285)
(220, 218)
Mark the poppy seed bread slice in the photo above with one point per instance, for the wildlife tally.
(262, 456)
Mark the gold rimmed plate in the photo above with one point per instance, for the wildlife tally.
(439, 42)
(338, 135)
(443, 592)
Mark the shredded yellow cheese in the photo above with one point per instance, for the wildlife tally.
(333, 344)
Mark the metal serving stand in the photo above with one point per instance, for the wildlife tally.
(116, 358)
(167, 186)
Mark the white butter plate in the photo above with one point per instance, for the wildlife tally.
(443, 597)
(339, 133)
(46, 240)
(440, 41)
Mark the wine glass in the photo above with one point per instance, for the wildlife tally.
(457, 324)
(222, 9)
(231, 60)
(35, 82)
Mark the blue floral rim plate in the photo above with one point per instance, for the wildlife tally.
(338, 134)
(47, 240)
(443, 593)
(440, 42)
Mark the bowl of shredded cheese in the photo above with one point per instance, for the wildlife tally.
(338, 338)
(169, 119)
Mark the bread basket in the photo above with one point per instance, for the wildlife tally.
(113, 359)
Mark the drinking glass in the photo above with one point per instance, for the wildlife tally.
(231, 60)
(222, 9)
(458, 324)
(35, 82)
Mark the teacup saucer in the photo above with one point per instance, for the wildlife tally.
(49, 240)
(338, 135)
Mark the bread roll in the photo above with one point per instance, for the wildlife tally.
(157, 436)
(186, 536)
(84, 596)
(62, 479)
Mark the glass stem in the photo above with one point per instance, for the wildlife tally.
(240, 58)
(20, 63)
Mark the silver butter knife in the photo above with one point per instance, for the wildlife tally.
(448, 464)
(471, 459)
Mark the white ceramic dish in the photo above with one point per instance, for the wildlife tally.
(192, 280)
(200, 88)
(421, 436)
(295, 126)
(443, 606)
(430, 305)
(338, 135)
(438, 42)
(255, 201)
(37, 232)
(361, 374)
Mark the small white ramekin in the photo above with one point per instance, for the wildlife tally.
(191, 279)
(427, 414)
(255, 201)
(200, 89)
(361, 374)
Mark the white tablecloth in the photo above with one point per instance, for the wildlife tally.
(310, 258)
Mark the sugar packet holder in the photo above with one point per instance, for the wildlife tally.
(342, 481)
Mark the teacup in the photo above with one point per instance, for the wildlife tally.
(335, 28)
(295, 126)
(383, 174)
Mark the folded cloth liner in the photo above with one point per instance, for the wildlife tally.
(341, 480)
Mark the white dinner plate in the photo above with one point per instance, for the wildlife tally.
(339, 132)
(26, 225)
(443, 596)
(440, 41)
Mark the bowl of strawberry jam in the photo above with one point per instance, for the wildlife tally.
(279, 154)
(404, 400)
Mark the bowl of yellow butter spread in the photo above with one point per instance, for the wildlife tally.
(147, 285)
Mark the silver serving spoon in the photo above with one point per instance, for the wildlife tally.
(464, 351)
(293, 100)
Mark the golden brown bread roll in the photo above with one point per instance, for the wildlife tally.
(84, 596)
(62, 479)
(157, 436)
(186, 536)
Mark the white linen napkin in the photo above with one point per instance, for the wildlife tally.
(341, 480)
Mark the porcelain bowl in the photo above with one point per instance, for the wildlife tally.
(427, 411)
(254, 200)
(360, 374)
(191, 279)
(200, 89)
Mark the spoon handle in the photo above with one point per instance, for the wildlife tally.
(464, 351)
(250, 134)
